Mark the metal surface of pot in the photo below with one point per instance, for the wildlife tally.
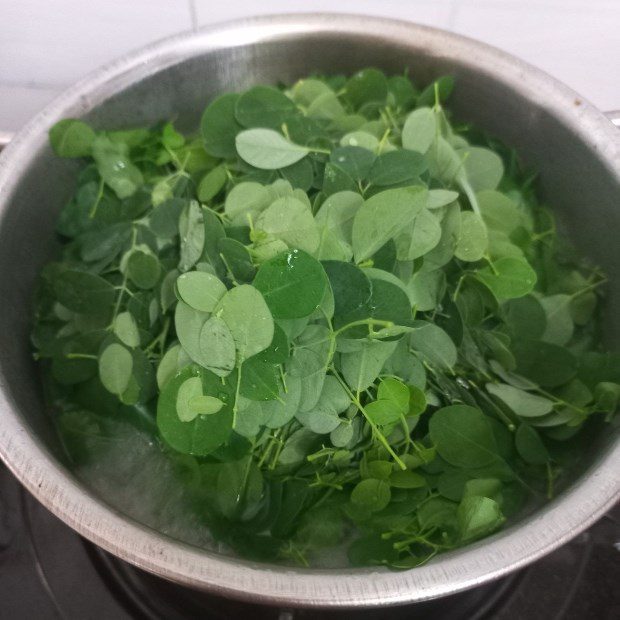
(576, 149)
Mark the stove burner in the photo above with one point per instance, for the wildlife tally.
(48, 571)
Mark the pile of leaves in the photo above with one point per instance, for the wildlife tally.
(348, 321)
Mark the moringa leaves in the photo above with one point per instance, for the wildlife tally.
(344, 321)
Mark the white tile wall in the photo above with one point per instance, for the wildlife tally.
(430, 12)
(48, 44)
(576, 41)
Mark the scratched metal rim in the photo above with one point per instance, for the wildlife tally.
(596, 491)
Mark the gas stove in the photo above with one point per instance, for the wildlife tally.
(47, 571)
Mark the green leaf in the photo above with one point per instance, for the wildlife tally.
(525, 317)
(115, 167)
(246, 199)
(508, 278)
(246, 314)
(383, 216)
(143, 269)
(217, 347)
(478, 517)
(559, 320)
(350, 286)
(406, 480)
(219, 126)
(383, 412)
(71, 138)
(401, 90)
(483, 167)
(259, 379)
(422, 236)
(336, 180)
(323, 418)
(438, 198)
(291, 221)
(191, 402)
(237, 259)
(445, 164)
(366, 86)
(188, 325)
(292, 283)
(335, 222)
(360, 369)
(115, 367)
(372, 494)
(212, 184)
(419, 130)
(530, 446)
(199, 290)
(83, 292)
(362, 139)
(168, 366)
(192, 230)
(442, 86)
(280, 412)
(205, 243)
(267, 149)
(547, 364)
(463, 436)
(204, 433)
(264, 106)
(126, 329)
(499, 212)
(425, 289)
(355, 161)
(395, 391)
(433, 344)
(397, 167)
(473, 240)
(521, 402)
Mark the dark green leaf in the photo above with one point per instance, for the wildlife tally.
(292, 283)
(219, 126)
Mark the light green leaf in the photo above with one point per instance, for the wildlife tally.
(433, 344)
(521, 402)
(246, 314)
(115, 368)
(168, 366)
(267, 149)
(217, 347)
(422, 236)
(200, 290)
(291, 221)
(419, 130)
(484, 168)
(473, 240)
(246, 198)
(71, 138)
(383, 216)
(508, 278)
(463, 436)
(126, 329)
(560, 326)
(360, 369)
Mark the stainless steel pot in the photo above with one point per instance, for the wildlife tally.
(573, 145)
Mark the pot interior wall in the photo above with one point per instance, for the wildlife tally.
(574, 179)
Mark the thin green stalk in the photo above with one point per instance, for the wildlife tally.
(372, 425)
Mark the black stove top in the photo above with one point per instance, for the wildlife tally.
(48, 571)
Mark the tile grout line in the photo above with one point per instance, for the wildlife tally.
(193, 15)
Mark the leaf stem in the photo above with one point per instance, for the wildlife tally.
(372, 425)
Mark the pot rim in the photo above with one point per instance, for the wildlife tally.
(551, 526)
